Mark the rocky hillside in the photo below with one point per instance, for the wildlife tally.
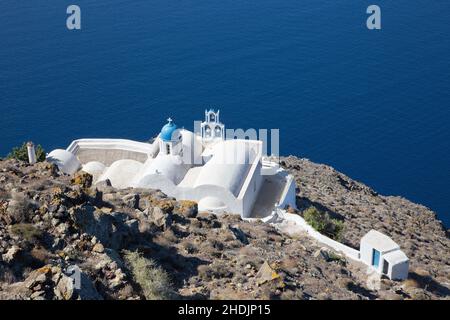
(414, 227)
(140, 244)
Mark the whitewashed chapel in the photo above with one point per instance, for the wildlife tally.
(221, 175)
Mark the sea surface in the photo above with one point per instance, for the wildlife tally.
(373, 104)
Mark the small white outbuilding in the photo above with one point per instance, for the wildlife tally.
(383, 255)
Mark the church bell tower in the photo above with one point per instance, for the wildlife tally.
(212, 128)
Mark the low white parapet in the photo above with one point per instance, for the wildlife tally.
(390, 261)
(304, 226)
(120, 144)
(109, 150)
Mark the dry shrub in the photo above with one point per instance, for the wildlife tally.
(189, 247)
(41, 254)
(27, 232)
(153, 280)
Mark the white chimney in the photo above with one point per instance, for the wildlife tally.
(31, 153)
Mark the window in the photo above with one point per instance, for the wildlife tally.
(167, 149)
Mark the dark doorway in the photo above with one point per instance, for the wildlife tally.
(385, 267)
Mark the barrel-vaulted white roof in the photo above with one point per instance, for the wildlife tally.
(66, 161)
(379, 241)
(229, 165)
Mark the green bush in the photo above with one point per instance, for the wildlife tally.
(323, 223)
(21, 153)
(153, 280)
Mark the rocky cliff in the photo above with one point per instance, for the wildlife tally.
(140, 244)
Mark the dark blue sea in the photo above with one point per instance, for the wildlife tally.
(373, 104)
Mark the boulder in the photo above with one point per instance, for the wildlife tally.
(131, 200)
(11, 254)
(238, 234)
(266, 273)
(109, 228)
(322, 253)
(187, 208)
(38, 277)
(65, 289)
(159, 217)
(99, 248)
(82, 179)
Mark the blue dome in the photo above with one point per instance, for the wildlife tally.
(168, 130)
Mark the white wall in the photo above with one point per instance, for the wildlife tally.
(250, 189)
(399, 271)
(288, 197)
(108, 151)
(304, 226)
(366, 253)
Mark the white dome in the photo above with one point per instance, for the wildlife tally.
(121, 173)
(95, 168)
(66, 161)
(169, 166)
(211, 204)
